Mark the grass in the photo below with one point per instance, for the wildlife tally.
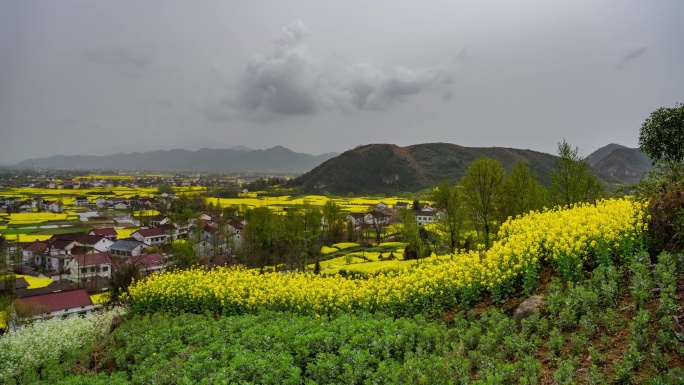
(64, 230)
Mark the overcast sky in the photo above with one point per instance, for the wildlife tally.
(100, 77)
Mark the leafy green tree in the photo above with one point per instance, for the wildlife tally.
(410, 233)
(259, 237)
(164, 189)
(662, 138)
(451, 214)
(522, 192)
(184, 254)
(335, 222)
(662, 135)
(482, 185)
(572, 180)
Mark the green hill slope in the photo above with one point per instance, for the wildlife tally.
(388, 168)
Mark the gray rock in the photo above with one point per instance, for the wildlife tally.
(527, 308)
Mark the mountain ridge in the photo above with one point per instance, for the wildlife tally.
(240, 159)
(388, 168)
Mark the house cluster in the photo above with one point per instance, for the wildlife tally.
(382, 215)
(63, 256)
(81, 256)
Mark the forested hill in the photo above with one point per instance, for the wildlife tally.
(388, 168)
(624, 164)
(276, 159)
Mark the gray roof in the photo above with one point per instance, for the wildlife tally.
(125, 245)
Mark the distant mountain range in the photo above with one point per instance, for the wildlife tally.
(369, 169)
(237, 159)
(388, 168)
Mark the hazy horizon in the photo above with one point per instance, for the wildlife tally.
(87, 78)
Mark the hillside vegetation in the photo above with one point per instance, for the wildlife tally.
(627, 165)
(390, 169)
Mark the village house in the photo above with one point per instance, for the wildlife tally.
(151, 237)
(357, 219)
(425, 217)
(53, 263)
(65, 304)
(107, 232)
(97, 242)
(174, 230)
(235, 230)
(126, 248)
(82, 201)
(159, 220)
(27, 206)
(52, 206)
(206, 246)
(151, 264)
(121, 206)
(61, 246)
(101, 202)
(85, 267)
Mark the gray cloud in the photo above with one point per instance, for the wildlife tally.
(631, 51)
(292, 80)
(128, 61)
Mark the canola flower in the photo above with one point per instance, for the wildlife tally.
(560, 237)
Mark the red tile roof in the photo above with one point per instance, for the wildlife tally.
(61, 244)
(153, 232)
(151, 260)
(59, 301)
(37, 247)
(94, 259)
(69, 236)
(105, 231)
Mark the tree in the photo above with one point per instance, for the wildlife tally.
(335, 220)
(122, 278)
(662, 135)
(379, 221)
(416, 247)
(482, 184)
(450, 211)
(522, 192)
(184, 254)
(164, 189)
(662, 138)
(572, 180)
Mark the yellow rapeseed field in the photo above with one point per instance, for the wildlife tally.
(34, 282)
(100, 298)
(562, 238)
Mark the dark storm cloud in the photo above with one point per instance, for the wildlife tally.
(630, 52)
(292, 80)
